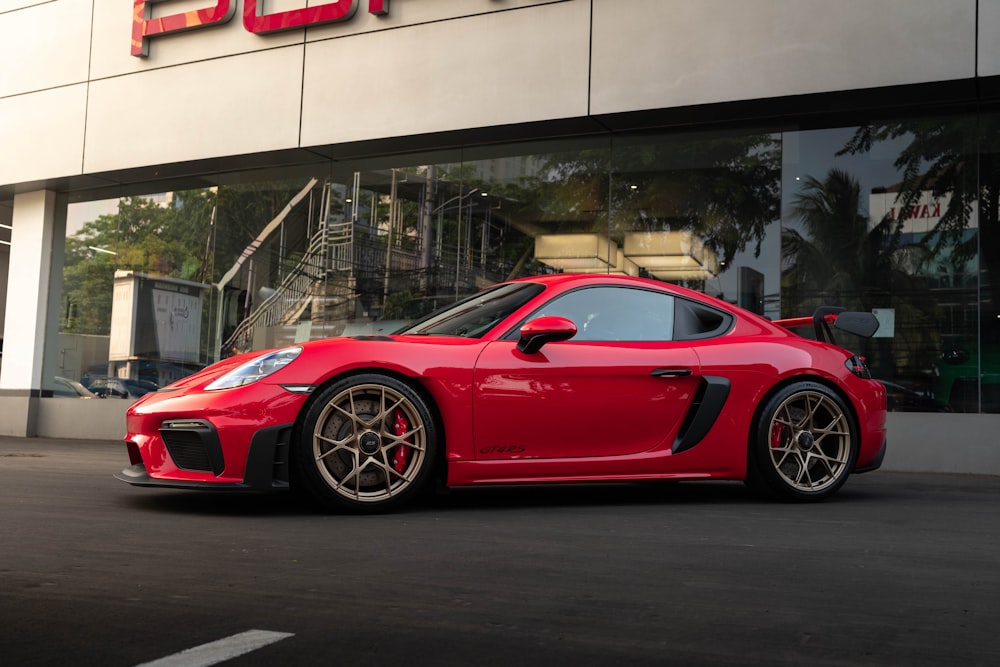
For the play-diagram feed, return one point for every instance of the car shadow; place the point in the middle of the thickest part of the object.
(584, 495)
(286, 503)
(226, 503)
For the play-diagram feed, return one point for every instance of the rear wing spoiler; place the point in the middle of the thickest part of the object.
(857, 323)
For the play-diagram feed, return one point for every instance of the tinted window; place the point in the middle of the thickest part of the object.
(615, 313)
(475, 316)
(694, 321)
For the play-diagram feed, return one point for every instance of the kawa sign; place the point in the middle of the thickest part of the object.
(145, 27)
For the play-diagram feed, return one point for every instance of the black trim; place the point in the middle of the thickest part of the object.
(820, 326)
(877, 463)
(690, 320)
(136, 475)
(22, 393)
(671, 372)
(193, 444)
(704, 411)
(267, 460)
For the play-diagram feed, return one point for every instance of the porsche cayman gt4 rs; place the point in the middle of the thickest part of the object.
(551, 379)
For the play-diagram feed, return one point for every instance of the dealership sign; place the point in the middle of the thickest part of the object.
(144, 26)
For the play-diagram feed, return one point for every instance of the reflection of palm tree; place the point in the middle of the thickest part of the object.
(837, 257)
(833, 247)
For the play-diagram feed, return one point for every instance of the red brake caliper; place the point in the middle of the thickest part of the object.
(401, 455)
(777, 436)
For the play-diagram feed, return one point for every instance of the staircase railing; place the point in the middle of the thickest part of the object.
(330, 249)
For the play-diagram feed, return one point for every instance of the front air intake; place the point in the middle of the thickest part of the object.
(193, 445)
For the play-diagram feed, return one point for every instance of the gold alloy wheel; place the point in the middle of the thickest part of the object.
(369, 443)
(809, 441)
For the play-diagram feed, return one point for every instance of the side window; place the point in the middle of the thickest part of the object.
(615, 313)
(695, 321)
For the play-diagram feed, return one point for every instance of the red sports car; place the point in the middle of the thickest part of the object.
(559, 378)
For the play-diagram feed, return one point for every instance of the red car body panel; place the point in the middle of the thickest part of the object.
(573, 411)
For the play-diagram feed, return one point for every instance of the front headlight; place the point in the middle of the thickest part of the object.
(256, 369)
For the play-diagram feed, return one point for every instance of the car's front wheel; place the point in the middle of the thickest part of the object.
(805, 444)
(367, 444)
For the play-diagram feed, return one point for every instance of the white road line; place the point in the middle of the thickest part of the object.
(219, 651)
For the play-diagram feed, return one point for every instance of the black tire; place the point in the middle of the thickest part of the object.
(804, 445)
(367, 444)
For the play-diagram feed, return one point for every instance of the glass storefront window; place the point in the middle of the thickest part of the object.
(878, 218)
(701, 210)
(896, 218)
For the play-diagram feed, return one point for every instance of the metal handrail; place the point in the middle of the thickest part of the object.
(330, 249)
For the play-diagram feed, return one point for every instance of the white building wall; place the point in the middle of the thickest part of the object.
(73, 100)
(235, 105)
(43, 45)
(494, 69)
(989, 47)
(650, 54)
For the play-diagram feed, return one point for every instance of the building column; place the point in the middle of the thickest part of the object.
(37, 238)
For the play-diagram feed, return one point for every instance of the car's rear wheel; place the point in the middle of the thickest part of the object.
(805, 444)
(367, 444)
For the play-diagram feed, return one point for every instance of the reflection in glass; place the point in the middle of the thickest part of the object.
(873, 222)
(898, 217)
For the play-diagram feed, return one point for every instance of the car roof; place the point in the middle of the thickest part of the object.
(569, 280)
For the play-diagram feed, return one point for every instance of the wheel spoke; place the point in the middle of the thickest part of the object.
(335, 445)
(404, 439)
(804, 472)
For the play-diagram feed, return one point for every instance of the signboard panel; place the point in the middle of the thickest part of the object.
(156, 318)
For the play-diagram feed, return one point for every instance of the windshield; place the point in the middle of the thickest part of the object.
(476, 315)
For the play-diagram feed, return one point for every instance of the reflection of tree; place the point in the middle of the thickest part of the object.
(835, 259)
(144, 237)
(726, 188)
(838, 258)
(956, 157)
(179, 239)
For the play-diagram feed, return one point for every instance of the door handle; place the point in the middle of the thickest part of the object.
(671, 372)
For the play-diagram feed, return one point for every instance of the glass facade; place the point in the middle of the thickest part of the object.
(897, 217)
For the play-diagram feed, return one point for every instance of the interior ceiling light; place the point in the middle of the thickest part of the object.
(679, 254)
(576, 252)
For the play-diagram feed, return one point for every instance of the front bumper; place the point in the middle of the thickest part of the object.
(190, 438)
(194, 447)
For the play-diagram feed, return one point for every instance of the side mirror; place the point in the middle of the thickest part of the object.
(544, 330)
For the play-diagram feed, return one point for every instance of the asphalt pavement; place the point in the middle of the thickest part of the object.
(897, 569)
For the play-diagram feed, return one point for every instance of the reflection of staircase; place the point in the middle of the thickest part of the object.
(330, 252)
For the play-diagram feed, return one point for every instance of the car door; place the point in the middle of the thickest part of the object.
(620, 386)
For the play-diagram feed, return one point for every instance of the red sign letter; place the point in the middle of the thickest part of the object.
(328, 12)
(144, 27)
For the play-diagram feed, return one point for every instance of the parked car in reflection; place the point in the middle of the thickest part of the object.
(904, 399)
(112, 387)
(968, 379)
(66, 388)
